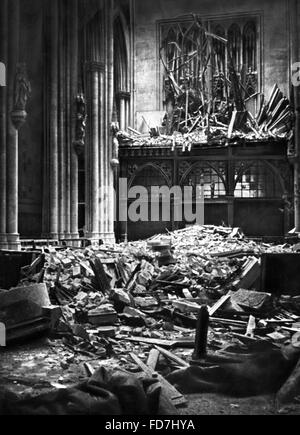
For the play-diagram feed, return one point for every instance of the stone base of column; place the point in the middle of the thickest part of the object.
(3, 241)
(108, 238)
(74, 243)
(94, 238)
(65, 236)
(52, 236)
(13, 242)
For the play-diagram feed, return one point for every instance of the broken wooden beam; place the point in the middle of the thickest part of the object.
(153, 358)
(171, 356)
(219, 304)
(167, 390)
(169, 344)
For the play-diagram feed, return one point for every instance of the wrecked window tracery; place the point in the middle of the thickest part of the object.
(256, 180)
(199, 58)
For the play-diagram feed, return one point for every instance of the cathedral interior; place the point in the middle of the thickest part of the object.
(103, 103)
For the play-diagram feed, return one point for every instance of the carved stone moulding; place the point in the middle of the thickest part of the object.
(114, 163)
(18, 118)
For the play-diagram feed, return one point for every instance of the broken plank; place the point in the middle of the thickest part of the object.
(296, 330)
(153, 341)
(171, 356)
(189, 342)
(153, 359)
(219, 304)
(168, 390)
(229, 322)
(89, 369)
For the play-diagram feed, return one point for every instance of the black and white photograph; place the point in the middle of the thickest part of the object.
(150, 210)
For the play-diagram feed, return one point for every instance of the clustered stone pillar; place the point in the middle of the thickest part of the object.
(13, 99)
(108, 234)
(95, 74)
(53, 122)
(124, 103)
(73, 94)
(3, 120)
(100, 204)
(61, 161)
(12, 178)
(295, 41)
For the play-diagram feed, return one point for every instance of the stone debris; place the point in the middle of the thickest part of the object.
(117, 301)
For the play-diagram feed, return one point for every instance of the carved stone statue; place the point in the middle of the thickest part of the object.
(81, 118)
(115, 151)
(22, 88)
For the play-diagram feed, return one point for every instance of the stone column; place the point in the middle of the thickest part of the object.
(53, 121)
(109, 235)
(73, 93)
(122, 113)
(295, 36)
(100, 79)
(62, 125)
(3, 120)
(94, 73)
(13, 238)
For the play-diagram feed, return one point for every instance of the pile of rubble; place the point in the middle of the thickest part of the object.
(137, 305)
(274, 120)
(133, 288)
(196, 260)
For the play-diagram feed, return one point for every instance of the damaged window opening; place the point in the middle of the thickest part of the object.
(202, 60)
(257, 180)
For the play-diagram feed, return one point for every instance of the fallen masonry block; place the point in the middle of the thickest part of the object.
(26, 311)
(250, 275)
(120, 296)
(102, 316)
(252, 300)
(103, 331)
